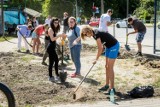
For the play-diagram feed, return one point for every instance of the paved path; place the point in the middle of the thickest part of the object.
(148, 102)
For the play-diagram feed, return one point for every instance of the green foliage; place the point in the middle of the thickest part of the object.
(141, 8)
(119, 9)
(146, 9)
(56, 8)
(20, 4)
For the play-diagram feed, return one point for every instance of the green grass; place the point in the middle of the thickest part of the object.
(157, 83)
(27, 58)
(148, 76)
(137, 85)
(136, 73)
(7, 37)
(60, 98)
(28, 105)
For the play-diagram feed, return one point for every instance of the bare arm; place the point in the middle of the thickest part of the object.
(50, 33)
(100, 48)
(78, 39)
(108, 23)
(135, 31)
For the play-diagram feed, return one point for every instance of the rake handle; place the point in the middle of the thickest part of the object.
(83, 78)
(126, 40)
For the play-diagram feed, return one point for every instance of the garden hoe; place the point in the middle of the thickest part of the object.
(74, 93)
(62, 74)
(126, 45)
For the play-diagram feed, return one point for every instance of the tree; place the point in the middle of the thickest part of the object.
(119, 7)
(56, 8)
(146, 10)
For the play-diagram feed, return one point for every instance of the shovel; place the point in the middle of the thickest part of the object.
(126, 45)
(74, 93)
(62, 74)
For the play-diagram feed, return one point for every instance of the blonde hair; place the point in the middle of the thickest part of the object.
(65, 13)
(72, 18)
(86, 29)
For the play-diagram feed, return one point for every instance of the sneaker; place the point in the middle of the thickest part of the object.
(104, 88)
(139, 54)
(18, 50)
(74, 75)
(27, 51)
(51, 79)
(44, 63)
(57, 78)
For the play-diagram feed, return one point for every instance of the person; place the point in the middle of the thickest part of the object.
(78, 20)
(48, 20)
(28, 21)
(140, 29)
(111, 52)
(65, 22)
(46, 41)
(34, 22)
(51, 49)
(23, 30)
(105, 21)
(35, 36)
(74, 40)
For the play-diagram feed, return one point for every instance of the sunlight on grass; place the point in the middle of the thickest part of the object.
(60, 98)
(28, 58)
(157, 83)
(28, 106)
(136, 73)
(8, 38)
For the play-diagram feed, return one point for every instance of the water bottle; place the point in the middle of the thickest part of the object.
(112, 96)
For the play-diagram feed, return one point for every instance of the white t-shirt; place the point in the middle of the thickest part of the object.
(103, 22)
(47, 21)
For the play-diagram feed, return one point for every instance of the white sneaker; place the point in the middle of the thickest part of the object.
(51, 79)
(57, 78)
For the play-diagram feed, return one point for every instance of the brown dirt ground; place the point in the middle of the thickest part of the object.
(28, 79)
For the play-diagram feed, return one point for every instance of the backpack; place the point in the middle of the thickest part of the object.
(141, 92)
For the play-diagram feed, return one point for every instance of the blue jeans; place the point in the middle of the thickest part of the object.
(75, 55)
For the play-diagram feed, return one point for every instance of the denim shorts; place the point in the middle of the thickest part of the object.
(34, 35)
(140, 36)
(112, 52)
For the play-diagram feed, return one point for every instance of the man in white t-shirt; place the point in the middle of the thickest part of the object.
(105, 21)
(48, 20)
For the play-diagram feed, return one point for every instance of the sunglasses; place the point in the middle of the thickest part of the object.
(56, 23)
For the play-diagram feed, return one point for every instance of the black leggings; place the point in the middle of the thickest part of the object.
(53, 59)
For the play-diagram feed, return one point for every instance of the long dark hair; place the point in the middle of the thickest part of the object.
(55, 29)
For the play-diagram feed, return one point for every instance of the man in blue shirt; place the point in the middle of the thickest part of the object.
(24, 30)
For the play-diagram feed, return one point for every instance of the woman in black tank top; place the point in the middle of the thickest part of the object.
(53, 58)
(111, 45)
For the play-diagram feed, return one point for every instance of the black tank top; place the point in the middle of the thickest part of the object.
(53, 43)
(47, 37)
